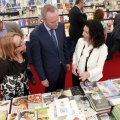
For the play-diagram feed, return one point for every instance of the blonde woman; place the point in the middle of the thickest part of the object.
(13, 66)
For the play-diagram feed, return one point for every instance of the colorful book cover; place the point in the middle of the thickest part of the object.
(42, 113)
(92, 87)
(27, 114)
(5, 106)
(34, 100)
(26, 22)
(107, 88)
(21, 22)
(19, 103)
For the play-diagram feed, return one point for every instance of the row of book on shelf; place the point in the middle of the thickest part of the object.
(85, 102)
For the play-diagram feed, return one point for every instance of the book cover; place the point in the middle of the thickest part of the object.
(28, 114)
(116, 83)
(76, 90)
(63, 107)
(26, 22)
(34, 100)
(98, 101)
(3, 115)
(19, 103)
(42, 113)
(13, 116)
(21, 22)
(82, 101)
(92, 87)
(74, 107)
(47, 99)
(107, 88)
(5, 106)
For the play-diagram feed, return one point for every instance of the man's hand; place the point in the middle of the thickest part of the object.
(68, 66)
(74, 69)
(84, 76)
(45, 83)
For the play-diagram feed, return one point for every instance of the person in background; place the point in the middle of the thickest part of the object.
(49, 50)
(9, 26)
(115, 36)
(99, 15)
(13, 65)
(77, 18)
(90, 53)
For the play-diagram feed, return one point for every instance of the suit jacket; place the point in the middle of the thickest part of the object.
(12, 27)
(95, 62)
(47, 58)
(77, 22)
(116, 31)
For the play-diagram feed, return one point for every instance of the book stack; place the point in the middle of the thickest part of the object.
(96, 98)
(99, 102)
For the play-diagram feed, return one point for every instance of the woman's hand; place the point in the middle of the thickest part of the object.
(84, 76)
(74, 69)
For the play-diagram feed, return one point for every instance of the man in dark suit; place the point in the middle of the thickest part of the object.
(77, 18)
(49, 50)
(9, 26)
(116, 37)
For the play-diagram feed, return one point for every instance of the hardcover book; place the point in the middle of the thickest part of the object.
(98, 101)
(107, 88)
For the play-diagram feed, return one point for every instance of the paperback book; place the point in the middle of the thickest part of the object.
(42, 113)
(34, 100)
(91, 88)
(63, 107)
(19, 103)
(107, 88)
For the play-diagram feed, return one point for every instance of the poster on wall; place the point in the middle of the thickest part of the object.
(10, 3)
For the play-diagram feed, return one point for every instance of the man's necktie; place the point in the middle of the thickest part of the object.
(53, 37)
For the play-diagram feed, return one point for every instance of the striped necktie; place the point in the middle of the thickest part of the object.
(53, 37)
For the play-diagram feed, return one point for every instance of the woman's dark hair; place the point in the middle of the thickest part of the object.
(96, 32)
